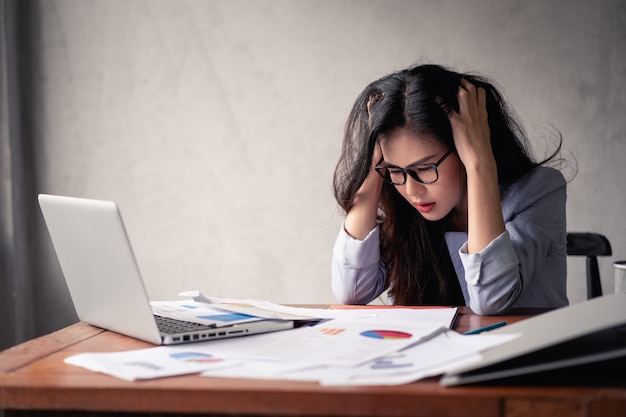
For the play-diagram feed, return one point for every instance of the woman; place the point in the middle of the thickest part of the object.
(444, 203)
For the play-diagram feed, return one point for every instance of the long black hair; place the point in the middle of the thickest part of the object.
(420, 99)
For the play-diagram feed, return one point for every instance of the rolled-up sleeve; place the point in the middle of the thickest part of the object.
(358, 276)
(492, 276)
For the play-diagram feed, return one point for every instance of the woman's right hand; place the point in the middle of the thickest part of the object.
(362, 216)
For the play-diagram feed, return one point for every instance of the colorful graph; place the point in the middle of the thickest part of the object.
(386, 334)
(226, 317)
(332, 332)
(195, 357)
(389, 364)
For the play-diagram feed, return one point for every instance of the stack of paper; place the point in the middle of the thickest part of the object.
(380, 346)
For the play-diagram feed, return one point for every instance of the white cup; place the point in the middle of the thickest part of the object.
(620, 276)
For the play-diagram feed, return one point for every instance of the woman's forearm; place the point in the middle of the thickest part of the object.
(361, 217)
(484, 210)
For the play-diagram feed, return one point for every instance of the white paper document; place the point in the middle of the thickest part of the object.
(342, 342)
(417, 362)
(430, 358)
(443, 316)
(150, 363)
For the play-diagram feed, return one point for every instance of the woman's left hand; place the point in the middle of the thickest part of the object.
(472, 138)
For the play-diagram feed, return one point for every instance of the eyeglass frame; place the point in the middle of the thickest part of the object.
(410, 170)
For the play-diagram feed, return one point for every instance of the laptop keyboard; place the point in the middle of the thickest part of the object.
(172, 326)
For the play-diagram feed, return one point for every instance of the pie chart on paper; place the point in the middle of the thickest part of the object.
(386, 334)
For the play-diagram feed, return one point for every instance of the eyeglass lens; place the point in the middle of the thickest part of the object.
(424, 174)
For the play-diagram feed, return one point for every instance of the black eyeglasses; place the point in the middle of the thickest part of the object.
(422, 173)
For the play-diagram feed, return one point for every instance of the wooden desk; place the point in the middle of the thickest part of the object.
(34, 381)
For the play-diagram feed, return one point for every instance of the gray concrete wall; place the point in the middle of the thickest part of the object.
(216, 125)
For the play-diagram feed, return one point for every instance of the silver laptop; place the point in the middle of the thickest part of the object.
(579, 343)
(103, 277)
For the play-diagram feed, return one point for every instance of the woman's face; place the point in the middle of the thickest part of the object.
(402, 149)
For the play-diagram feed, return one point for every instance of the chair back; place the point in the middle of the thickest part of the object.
(591, 245)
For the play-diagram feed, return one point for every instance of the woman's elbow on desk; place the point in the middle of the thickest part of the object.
(347, 294)
(491, 306)
(483, 310)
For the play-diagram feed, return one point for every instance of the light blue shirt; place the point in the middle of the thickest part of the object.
(526, 266)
